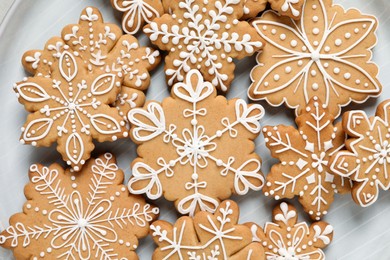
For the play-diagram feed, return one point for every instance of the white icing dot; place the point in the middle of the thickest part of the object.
(327, 49)
(288, 69)
(315, 86)
(276, 77)
(347, 35)
(315, 18)
(283, 36)
(273, 31)
(347, 75)
(336, 70)
(313, 73)
(316, 31)
(293, 43)
(338, 42)
(356, 30)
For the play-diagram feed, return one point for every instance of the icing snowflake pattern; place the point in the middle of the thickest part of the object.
(199, 147)
(326, 53)
(70, 107)
(137, 13)
(206, 236)
(289, 240)
(367, 159)
(304, 170)
(204, 35)
(79, 216)
(103, 47)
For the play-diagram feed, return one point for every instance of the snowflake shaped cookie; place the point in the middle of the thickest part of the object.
(196, 148)
(367, 158)
(326, 53)
(90, 215)
(102, 46)
(204, 35)
(291, 8)
(206, 236)
(304, 154)
(284, 238)
(137, 13)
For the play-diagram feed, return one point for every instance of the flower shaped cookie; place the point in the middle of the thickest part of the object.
(204, 35)
(102, 46)
(367, 158)
(196, 148)
(89, 215)
(206, 236)
(137, 13)
(326, 53)
(304, 154)
(284, 238)
(76, 79)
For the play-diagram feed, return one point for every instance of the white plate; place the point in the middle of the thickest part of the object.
(360, 233)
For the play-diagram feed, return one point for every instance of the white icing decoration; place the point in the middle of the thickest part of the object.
(138, 11)
(81, 225)
(193, 146)
(203, 40)
(315, 53)
(288, 5)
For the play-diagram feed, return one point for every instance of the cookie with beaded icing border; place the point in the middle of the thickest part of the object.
(137, 13)
(205, 35)
(304, 154)
(206, 236)
(367, 155)
(195, 148)
(286, 238)
(78, 216)
(326, 53)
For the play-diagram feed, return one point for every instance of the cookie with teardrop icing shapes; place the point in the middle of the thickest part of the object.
(285, 238)
(291, 8)
(196, 148)
(325, 53)
(86, 215)
(76, 80)
(137, 13)
(206, 236)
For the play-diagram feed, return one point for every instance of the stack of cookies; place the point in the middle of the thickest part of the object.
(196, 148)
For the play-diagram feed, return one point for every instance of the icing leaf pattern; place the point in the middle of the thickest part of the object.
(284, 238)
(326, 53)
(304, 154)
(78, 216)
(198, 141)
(203, 35)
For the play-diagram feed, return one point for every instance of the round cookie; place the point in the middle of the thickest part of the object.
(195, 148)
(206, 236)
(326, 53)
(205, 35)
(89, 215)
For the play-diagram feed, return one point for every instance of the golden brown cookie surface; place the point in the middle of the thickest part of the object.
(304, 154)
(205, 35)
(206, 236)
(326, 53)
(195, 148)
(285, 238)
(367, 155)
(87, 215)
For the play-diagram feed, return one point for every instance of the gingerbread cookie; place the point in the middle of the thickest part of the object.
(304, 160)
(291, 8)
(90, 215)
(76, 79)
(204, 35)
(137, 13)
(206, 236)
(284, 238)
(195, 148)
(326, 53)
(367, 155)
